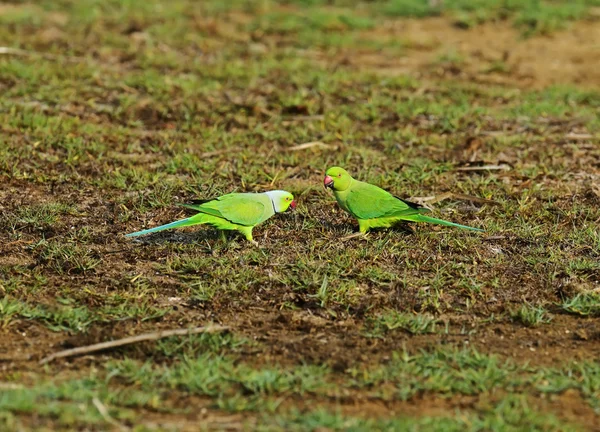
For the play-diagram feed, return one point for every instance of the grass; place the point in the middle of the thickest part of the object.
(119, 111)
(67, 258)
(531, 316)
(531, 16)
(236, 386)
(585, 304)
(445, 372)
(510, 413)
(413, 324)
(65, 317)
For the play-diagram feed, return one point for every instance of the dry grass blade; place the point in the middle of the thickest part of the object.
(106, 416)
(10, 386)
(579, 137)
(500, 167)
(131, 340)
(219, 152)
(15, 51)
(355, 235)
(473, 199)
(431, 199)
(307, 117)
(437, 198)
(312, 144)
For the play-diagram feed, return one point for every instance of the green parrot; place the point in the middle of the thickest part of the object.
(234, 211)
(374, 207)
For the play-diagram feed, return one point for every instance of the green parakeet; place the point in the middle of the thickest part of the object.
(374, 207)
(234, 211)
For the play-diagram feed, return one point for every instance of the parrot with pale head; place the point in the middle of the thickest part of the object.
(235, 211)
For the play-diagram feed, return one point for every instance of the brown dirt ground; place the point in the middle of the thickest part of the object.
(292, 337)
(565, 57)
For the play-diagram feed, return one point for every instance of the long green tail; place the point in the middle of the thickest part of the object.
(176, 224)
(423, 218)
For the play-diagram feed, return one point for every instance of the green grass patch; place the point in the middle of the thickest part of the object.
(66, 317)
(510, 413)
(584, 304)
(234, 387)
(393, 320)
(441, 371)
(531, 316)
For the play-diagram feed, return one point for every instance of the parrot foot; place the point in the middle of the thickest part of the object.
(255, 243)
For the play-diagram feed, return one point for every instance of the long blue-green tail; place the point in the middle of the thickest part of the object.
(423, 218)
(176, 224)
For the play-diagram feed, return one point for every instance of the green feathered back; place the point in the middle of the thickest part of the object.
(374, 207)
(247, 209)
(367, 201)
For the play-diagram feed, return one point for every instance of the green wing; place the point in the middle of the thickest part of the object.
(238, 208)
(366, 201)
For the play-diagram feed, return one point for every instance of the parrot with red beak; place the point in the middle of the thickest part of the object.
(374, 207)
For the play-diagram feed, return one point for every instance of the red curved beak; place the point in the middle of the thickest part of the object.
(293, 205)
(328, 182)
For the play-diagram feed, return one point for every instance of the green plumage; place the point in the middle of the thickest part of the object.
(246, 209)
(374, 207)
(236, 211)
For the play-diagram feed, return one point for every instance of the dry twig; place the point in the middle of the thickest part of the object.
(494, 238)
(131, 340)
(308, 145)
(500, 167)
(355, 235)
(14, 51)
(579, 136)
(473, 199)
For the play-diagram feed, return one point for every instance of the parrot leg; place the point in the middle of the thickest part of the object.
(363, 226)
(247, 231)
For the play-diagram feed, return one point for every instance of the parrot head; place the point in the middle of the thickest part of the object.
(337, 178)
(281, 200)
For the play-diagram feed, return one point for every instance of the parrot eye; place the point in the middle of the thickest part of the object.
(339, 175)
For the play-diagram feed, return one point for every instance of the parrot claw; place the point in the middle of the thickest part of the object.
(255, 243)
